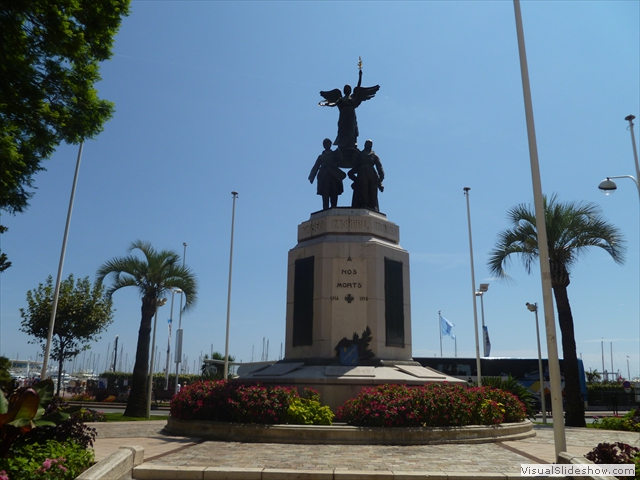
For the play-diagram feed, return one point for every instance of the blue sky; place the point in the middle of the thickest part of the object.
(219, 96)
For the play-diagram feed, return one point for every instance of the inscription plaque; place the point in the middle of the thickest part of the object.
(394, 303)
(349, 371)
(279, 369)
(303, 302)
(420, 372)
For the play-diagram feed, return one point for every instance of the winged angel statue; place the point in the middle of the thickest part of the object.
(347, 104)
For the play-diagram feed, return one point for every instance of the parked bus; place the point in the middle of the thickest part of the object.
(525, 370)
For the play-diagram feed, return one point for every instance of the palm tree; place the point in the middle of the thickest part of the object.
(154, 276)
(571, 228)
(593, 376)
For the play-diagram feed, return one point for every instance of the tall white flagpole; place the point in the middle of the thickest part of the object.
(473, 290)
(440, 330)
(56, 293)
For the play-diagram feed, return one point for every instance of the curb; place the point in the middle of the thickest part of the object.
(347, 435)
(160, 472)
(117, 466)
(565, 458)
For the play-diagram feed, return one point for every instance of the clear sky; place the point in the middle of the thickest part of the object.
(216, 96)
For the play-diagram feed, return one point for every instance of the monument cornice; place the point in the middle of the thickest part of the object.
(349, 221)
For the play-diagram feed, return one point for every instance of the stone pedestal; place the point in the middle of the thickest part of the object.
(346, 273)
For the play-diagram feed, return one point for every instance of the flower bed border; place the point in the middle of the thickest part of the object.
(347, 435)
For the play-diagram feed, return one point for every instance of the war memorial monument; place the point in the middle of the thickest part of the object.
(348, 317)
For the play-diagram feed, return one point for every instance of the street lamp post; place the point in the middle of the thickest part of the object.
(608, 186)
(473, 289)
(166, 376)
(534, 308)
(480, 293)
(226, 343)
(159, 303)
(559, 435)
(179, 332)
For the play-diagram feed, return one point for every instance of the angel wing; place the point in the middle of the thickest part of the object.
(330, 97)
(365, 93)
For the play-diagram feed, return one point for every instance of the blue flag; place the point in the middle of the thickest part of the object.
(487, 342)
(446, 327)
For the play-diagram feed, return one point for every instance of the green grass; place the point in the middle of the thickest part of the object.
(117, 417)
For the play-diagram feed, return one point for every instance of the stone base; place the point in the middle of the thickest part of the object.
(347, 435)
(337, 383)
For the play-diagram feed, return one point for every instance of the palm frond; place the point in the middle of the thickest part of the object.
(571, 227)
(154, 275)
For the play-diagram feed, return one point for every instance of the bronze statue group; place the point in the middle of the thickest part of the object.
(365, 169)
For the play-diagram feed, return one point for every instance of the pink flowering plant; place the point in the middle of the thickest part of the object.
(224, 401)
(51, 460)
(52, 468)
(431, 405)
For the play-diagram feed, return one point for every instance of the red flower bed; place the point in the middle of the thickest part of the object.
(225, 401)
(431, 405)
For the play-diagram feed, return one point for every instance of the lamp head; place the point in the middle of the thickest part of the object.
(161, 302)
(532, 308)
(483, 287)
(607, 186)
(177, 290)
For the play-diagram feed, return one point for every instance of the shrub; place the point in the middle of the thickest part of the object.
(514, 409)
(430, 405)
(82, 397)
(122, 398)
(612, 453)
(71, 429)
(26, 409)
(630, 422)
(110, 399)
(50, 460)
(90, 415)
(225, 401)
(514, 387)
(304, 411)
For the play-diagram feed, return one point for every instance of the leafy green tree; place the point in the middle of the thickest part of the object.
(572, 227)
(83, 313)
(6, 381)
(49, 56)
(154, 276)
(4, 263)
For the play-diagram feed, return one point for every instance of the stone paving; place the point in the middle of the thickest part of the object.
(501, 457)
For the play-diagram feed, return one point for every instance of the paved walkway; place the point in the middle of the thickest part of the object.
(501, 457)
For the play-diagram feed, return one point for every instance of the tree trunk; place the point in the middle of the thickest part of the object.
(574, 408)
(137, 403)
